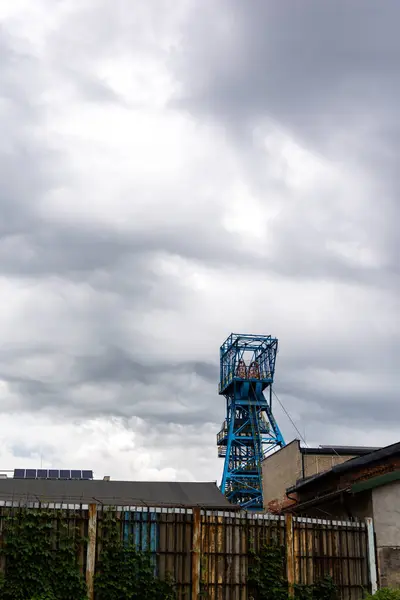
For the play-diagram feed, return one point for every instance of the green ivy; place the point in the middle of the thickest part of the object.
(268, 582)
(41, 558)
(325, 589)
(266, 576)
(124, 573)
(385, 594)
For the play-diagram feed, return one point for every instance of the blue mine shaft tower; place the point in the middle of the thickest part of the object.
(247, 366)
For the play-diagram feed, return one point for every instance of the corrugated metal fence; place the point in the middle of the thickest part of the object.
(208, 552)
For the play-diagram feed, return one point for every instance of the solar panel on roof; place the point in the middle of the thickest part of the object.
(52, 474)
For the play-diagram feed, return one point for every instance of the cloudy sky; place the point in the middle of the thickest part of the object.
(172, 171)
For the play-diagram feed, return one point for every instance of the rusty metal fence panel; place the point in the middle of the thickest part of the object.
(334, 548)
(166, 534)
(227, 540)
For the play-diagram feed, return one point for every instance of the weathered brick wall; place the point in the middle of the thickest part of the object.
(380, 468)
(341, 482)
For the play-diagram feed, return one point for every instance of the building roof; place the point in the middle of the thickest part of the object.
(350, 465)
(338, 450)
(115, 493)
(326, 450)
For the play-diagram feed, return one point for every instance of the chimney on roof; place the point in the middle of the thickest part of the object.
(106, 478)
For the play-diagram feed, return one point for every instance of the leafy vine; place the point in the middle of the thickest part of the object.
(268, 582)
(267, 574)
(385, 594)
(41, 558)
(124, 572)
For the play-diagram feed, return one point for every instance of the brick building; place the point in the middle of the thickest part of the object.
(292, 463)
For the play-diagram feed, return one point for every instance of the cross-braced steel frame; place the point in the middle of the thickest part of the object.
(250, 431)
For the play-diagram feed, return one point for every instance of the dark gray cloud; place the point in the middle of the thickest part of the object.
(111, 382)
(314, 68)
(26, 165)
(116, 364)
(327, 74)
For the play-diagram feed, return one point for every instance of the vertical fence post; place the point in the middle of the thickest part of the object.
(91, 550)
(371, 555)
(289, 554)
(196, 558)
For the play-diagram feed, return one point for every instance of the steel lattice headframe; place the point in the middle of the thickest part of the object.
(249, 432)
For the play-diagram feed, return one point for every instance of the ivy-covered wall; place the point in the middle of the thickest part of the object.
(42, 560)
(40, 555)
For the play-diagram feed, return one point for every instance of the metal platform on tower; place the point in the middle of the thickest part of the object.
(249, 432)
